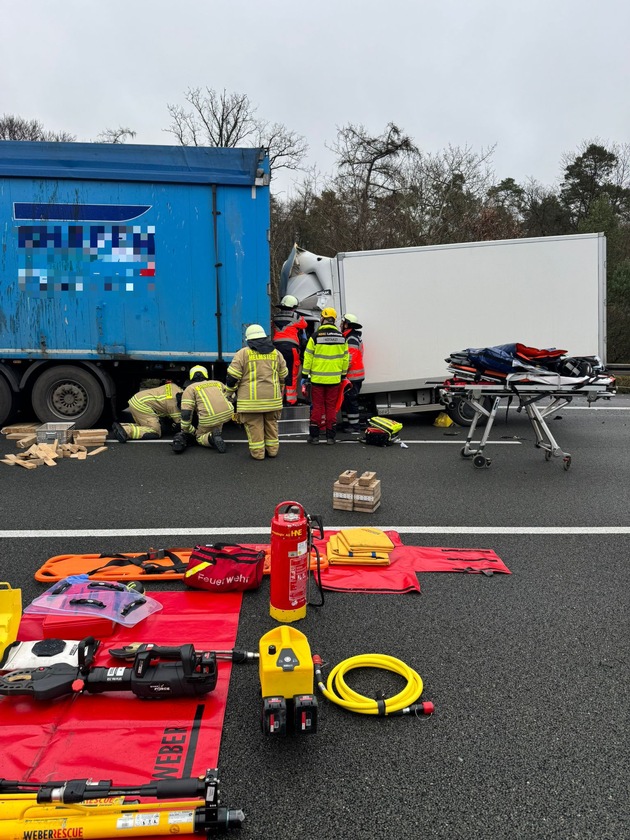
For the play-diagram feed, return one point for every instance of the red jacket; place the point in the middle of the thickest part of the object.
(355, 347)
(287, 326)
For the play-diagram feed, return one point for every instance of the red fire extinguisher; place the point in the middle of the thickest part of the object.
(290, 559)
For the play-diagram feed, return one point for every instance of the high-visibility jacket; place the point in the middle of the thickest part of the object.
(326, 358)
(257, 377)
(355, 348)
(287, 326)
(160, 401)
(208, 399)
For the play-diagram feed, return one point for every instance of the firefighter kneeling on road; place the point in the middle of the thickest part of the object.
(147, 407)
(206, 397)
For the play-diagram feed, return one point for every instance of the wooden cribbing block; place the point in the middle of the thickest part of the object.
(347, 477)
(367, 478)
(367, 498)
(20, 428)
(343, 494)
(23, 442)
(96, 451)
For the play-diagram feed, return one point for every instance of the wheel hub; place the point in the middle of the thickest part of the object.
(69, 399)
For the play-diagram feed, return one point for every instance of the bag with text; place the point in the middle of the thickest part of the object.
(224, 567)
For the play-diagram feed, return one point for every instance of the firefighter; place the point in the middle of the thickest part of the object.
(289, 338)
(326, 362)
(207, 398)
(351, 330)
(147, 407)
(256, 374)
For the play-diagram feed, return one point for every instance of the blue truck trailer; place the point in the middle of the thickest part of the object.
(121, 263)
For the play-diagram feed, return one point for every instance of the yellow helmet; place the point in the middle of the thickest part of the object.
(198, 369)
(329, 312)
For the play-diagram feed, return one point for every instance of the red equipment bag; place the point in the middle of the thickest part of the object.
(224, 567)
(376, 437)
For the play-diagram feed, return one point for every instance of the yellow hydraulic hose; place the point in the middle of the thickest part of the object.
(338, 691)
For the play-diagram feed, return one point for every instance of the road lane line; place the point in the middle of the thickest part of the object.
(508, 530)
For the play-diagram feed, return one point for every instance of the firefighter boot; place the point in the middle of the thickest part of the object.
(119, 433)
(180, 442)
(217, 441)
(313, 434)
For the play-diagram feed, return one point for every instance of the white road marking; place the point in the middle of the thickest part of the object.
(508, 530)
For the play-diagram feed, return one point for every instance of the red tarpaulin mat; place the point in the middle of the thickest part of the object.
(116, 735)
(405, 562)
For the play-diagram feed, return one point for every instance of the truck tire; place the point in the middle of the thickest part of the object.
(68, 393)
(7, 401)
(461, 413)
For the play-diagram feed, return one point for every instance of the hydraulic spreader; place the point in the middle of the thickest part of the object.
(193, 674)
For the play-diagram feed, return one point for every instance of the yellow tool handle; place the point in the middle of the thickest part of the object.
(22, 818)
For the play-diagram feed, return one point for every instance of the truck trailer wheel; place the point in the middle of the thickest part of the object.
(461, 412)
(68, 393)
(7, 401)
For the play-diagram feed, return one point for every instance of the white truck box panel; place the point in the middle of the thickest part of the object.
(418, 305)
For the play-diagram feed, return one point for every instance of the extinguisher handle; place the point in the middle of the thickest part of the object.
(289, 504)
(319, 522)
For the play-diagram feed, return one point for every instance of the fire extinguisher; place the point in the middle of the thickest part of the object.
(291, 543)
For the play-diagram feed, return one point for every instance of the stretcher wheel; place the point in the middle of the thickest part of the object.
(566, 462)
(547, 455)
(465, 454)
(481, 461)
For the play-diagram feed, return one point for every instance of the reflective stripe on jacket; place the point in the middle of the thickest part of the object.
(209, 401)
(259, 377)
(355, 348)
(161, 401)
(326, 358)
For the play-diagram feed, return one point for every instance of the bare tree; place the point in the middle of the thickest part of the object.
(18, 128)
(115, 135)
(229, 120)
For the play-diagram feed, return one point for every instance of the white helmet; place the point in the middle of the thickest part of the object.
(352, 319)
(289, 301)
(254, 331)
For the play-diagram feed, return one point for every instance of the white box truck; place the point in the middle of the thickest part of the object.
(418, 305)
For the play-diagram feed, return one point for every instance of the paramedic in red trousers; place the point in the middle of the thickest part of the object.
(206, 398)
(288, 332)
(326, 362)
(256, 374)
(351, 330)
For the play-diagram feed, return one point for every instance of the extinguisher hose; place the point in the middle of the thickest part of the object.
(318, 576)
(338, 691)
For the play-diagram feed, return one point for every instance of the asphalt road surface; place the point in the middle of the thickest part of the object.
(528, 672)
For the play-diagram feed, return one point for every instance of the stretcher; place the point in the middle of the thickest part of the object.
(539, 394)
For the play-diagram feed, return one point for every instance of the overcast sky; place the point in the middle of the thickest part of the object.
(534, 77)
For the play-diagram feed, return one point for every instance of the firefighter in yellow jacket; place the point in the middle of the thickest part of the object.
(257, 375)
(147, 407)
(205, 397)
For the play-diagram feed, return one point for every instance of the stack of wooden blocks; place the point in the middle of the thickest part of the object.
(36, 453)
(357, 492)
(90, 437)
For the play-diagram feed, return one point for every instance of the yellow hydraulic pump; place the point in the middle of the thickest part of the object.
(286, 681)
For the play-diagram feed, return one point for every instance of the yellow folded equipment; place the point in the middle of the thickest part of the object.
(359, 547)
